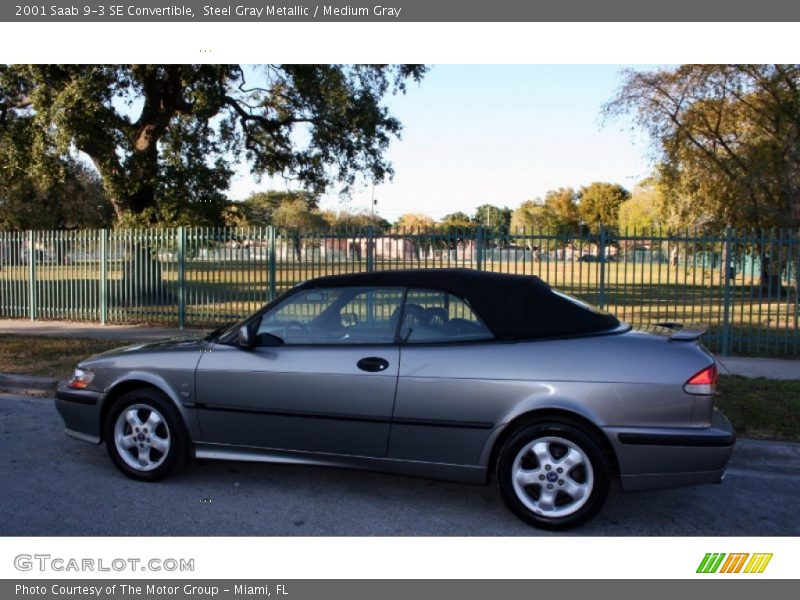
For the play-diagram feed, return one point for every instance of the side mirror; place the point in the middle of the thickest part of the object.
(244, 339)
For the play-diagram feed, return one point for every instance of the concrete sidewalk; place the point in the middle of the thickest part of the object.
(771, 368)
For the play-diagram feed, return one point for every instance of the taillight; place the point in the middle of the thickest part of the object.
(703, 383)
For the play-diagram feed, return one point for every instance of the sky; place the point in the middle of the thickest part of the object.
(495, 134)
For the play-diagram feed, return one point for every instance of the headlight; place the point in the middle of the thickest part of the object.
(80, 379)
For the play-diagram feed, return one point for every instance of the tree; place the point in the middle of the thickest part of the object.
(415, 221)
(357, 221)
(531, 215)
(163, 137)
(643, 211)
(562, 210)
(729, 140)
(57, 192)
(259, 208)
(728, 137)
(493, 218)
(599, 204)
(76, 202)
(458, 220)
(296, 215)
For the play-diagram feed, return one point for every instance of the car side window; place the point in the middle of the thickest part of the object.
(334, 316)
(433, 316)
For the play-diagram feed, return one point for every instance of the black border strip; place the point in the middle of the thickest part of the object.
(339, 417)
(76, 397)
(711, 440)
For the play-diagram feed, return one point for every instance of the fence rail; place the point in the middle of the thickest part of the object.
(742, 284)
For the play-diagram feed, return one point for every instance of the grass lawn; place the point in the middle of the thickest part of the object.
(48, 356)
(758, 408)
(762, 409)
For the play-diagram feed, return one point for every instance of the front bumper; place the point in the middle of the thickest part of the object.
(80, 410)
(654, 457)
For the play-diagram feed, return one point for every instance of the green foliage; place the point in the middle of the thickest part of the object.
(458, 220)
(42, 190)
(643, 211)
(297, 215)
(163, 137)
(297, 210)
(599, 204)
(415, 222)
(531, 215)
(557, 213)
(259, 208)
(728, 137)
(493, 218)
(76, 202)
(358, 221)
(562, 210)
(289, 209)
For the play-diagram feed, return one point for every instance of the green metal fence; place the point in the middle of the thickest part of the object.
(742, 284)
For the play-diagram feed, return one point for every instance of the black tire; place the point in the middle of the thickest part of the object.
(595, 478)
(170, 428)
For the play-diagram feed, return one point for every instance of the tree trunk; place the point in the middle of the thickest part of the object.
(773, 263)
(142, 283)
(132, 183)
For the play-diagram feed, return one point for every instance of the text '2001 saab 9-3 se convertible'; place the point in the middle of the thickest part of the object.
(450, 374)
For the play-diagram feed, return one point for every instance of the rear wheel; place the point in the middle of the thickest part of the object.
(145, 436)
(553, 475)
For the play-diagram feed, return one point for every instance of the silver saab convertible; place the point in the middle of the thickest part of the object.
(450, 374)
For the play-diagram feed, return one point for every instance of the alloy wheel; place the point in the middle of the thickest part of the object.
(552, 476)
(142, 437)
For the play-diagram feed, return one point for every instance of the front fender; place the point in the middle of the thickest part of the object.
(178, 387)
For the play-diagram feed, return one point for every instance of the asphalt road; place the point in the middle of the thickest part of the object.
(54, 485)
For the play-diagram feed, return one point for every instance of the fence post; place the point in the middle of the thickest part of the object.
(601, 251)
(726, 294)
(103, 277)
(181, 277)
(271, 284)
(31, 276)
(479, 248)
(370, 249)
(796, 286)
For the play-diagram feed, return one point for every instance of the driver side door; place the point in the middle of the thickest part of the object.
(329, 387)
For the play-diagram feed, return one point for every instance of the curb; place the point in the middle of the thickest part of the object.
(762, 455)
(27, 385)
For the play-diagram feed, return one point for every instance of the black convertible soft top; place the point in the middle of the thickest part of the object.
(511, 306)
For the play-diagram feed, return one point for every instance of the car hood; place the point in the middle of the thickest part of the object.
(187, 343)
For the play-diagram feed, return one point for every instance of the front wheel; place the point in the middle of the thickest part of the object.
(145, 437)
(553, 475)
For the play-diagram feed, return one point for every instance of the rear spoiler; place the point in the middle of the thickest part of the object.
(683, 334)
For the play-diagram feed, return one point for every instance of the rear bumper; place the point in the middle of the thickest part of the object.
(652, 457)
(80, 411)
